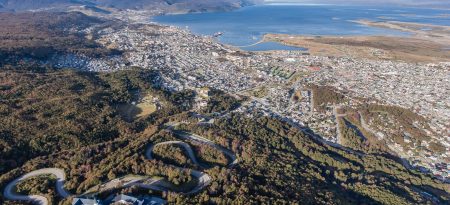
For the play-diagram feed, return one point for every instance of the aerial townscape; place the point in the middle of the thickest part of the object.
(109, 102)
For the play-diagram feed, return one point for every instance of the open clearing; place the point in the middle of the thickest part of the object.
(143, 108)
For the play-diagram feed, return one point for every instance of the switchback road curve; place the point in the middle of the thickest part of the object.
(203, 178)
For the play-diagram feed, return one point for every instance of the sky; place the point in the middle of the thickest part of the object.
(398, 2)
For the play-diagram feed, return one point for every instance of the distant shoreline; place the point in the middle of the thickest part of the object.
(417, 45)
(430, 45)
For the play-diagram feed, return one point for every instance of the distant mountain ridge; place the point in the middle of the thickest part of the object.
(184, 5)
(410, 3)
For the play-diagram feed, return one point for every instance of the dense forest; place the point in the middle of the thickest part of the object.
(39, 35)
(68, 119)
(325, 96)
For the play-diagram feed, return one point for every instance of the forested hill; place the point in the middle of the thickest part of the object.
(71, 120)
(183, 5)
(88, 125)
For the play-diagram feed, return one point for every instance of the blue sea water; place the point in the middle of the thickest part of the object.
(247, 25)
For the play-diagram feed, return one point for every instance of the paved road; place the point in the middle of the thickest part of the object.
(367, 127)
(159, 184)
(141, 181)
(338, 128)
(10, 194)
(203, 179)
(201, 140)
(187, 147)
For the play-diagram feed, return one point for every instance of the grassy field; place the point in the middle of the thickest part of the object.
(143, 108)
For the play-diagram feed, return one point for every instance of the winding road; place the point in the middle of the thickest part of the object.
(10, 194)
(367, 127)
(201, 140)
(186, 146)
(203, 179)
(140, 181)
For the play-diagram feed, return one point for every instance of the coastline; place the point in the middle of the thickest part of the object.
(421, 42)
(283, 87)
(438, 33)
(424, 45)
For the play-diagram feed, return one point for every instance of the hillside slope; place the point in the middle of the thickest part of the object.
(72, 120)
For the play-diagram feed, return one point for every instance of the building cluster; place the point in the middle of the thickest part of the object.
(121, 199)
(187, 61)
(423, 88)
